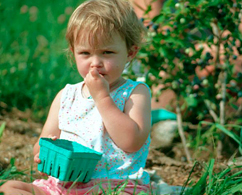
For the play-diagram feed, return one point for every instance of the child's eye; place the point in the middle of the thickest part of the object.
(108, 52)
(84, 53)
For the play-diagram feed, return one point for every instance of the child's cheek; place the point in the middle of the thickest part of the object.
(82, 72)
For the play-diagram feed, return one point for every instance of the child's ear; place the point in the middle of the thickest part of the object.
(71, 49)
(132, 52)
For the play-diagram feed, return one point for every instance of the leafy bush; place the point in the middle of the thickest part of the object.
(192, 49)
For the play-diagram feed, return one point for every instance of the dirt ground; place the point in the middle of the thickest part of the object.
(21, 133)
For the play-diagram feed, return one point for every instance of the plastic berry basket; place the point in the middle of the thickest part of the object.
(67, 160)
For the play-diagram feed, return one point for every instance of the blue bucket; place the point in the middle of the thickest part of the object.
(161, 115)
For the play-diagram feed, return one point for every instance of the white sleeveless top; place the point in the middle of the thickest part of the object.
(80, 121)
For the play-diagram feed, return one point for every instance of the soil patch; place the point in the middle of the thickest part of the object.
(21, 133)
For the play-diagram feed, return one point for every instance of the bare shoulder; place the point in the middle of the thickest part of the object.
(139, 101)
(138, 108)
(140, 91)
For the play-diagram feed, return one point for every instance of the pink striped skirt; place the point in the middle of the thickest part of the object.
(52, 187)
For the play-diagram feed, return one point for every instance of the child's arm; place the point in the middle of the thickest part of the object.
(50, 128)
(129, 129)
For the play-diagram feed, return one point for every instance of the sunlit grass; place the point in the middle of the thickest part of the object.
(227, 180)
(10, 172)
(2, 127)
(33, 63)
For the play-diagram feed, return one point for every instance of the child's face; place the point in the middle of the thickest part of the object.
(109, 59)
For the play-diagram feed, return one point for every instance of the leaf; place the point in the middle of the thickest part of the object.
(10, 171)
(223, 173)
(2, 129)
(158, 19)
(157, 39)
(234, 106)
(234, 126)
(199, 2)
(162, 51)
(229, 133)
(142, 193)
(236, 174)
(236, 188)
(148, 9)
(103, 191)
(191, 101)
(199, 187)
(240, 135)
(122, 187)
(183, 106)
(214, 2)
(240, 147)
(210, 183)
(189, 177)
(175, 40)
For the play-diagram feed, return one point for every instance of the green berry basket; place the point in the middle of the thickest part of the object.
(67, 160)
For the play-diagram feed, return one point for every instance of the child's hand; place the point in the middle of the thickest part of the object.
(37, 159)
(98, 86)
(53, 137)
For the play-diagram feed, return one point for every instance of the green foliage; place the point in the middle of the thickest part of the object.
(2, 127)
(119, 189)
(208, 133)
(10, 173)
(213, 183)
(191, 49)
(33, 63)
(183, 41)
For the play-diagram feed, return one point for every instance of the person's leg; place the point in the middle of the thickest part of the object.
(20, 188)
(140, 6)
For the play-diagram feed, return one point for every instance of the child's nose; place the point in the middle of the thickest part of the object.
(96, 62)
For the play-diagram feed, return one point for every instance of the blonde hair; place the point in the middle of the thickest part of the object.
(95, 21)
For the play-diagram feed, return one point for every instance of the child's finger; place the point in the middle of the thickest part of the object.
(53, 137)
(42, 174)
(37, 159)
(95, 73)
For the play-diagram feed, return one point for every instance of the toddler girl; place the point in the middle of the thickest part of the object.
(105, 112)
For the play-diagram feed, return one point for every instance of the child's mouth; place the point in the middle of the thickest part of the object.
(102, 74)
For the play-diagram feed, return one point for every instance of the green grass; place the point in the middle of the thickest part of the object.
(226, 181)
(2, 127)
(33, 63)
(10, 172)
